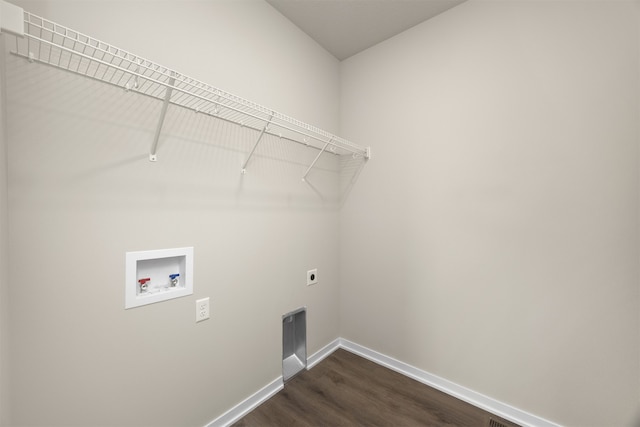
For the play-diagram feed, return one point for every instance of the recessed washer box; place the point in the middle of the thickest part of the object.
(158, 275)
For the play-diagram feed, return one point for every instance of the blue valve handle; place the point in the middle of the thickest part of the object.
(173, 276)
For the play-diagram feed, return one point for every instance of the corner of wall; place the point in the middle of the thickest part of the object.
(4, 304)
(637, 10)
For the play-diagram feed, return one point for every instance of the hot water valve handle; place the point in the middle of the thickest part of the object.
(143, 284)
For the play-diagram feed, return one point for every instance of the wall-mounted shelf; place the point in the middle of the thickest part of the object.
(49, 43)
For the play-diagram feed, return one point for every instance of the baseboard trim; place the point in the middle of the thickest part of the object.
(321, 354)
(474, 398)
(266, 392)
(248, 405)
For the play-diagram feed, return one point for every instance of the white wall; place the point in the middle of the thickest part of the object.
(82, 193)
(4, 278)
(493, 238)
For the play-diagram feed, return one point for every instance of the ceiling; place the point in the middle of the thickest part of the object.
(346, 27)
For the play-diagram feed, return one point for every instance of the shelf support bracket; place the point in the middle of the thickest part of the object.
(264, 129)
(163, 113)
(304, 177)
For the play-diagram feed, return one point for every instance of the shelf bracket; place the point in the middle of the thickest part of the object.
(163, 113)
(264, 129)
(304, 177)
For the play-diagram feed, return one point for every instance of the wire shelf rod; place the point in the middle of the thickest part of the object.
(264, 129)
(163, 113)
(304, 177)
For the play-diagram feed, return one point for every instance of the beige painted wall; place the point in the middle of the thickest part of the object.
(4, 278)
(82, 193)
(493, 238)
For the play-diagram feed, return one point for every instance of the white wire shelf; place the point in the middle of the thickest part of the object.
(52, 44)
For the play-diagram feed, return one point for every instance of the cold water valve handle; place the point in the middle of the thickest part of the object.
(143, 284)
(174, 279)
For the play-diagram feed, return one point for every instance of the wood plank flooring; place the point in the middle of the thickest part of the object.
(347, 390)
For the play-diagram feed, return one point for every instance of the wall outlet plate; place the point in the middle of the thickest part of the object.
(202, 309)
(312, 277)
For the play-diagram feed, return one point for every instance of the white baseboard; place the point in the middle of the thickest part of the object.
(321, 354)
(478, 400)
(252, 402)
(248, 405)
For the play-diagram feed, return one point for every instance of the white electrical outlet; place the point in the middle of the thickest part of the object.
(312, 277)
(202, 309)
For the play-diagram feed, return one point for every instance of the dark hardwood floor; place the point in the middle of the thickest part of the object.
(347, 390)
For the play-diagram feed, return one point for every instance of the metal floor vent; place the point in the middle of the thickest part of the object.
(294, 343)
(496, 423)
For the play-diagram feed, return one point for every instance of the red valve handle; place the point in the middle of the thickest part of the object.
(143, 281)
